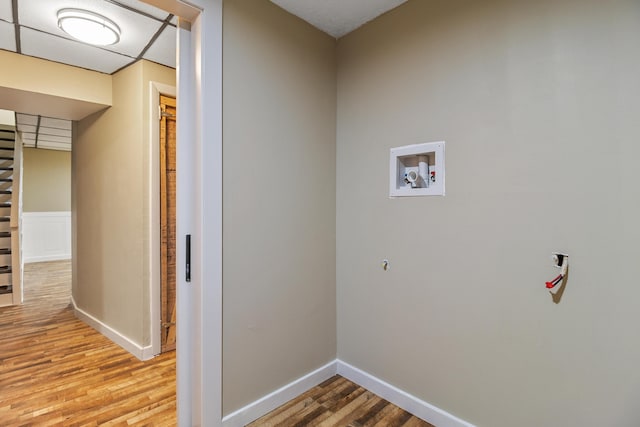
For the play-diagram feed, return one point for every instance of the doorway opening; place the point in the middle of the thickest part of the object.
(168, 222)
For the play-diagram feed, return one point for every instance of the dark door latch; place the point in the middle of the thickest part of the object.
(187, 270)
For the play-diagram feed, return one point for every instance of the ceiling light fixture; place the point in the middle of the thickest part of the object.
(88, 27)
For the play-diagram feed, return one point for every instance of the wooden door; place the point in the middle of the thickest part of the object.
(168, 221)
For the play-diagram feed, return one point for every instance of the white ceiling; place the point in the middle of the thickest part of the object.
(44, 132)
(338, 17)
(30, 27)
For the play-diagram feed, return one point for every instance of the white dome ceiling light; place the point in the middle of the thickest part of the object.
(88, 27)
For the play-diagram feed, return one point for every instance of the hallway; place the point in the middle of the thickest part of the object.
(57, 371)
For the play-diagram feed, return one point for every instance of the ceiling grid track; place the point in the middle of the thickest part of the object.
(164, 25)
(44, 132)
(16, 24)
(32, 28)
(148, 33)
(38, 129)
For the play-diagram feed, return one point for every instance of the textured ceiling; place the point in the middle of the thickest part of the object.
(338, 17)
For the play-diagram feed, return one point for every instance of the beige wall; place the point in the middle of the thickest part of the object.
(110, 205)
(46, 184)
(538, 104)
(37, 86)
(279, 200)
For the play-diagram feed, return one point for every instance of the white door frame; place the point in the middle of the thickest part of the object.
(155, 277)
(199, 210)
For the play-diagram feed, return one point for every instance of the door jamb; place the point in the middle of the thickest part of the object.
(155, 90)
(199, 209)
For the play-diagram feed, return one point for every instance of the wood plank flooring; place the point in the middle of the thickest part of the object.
(57, 371)
(339, 402)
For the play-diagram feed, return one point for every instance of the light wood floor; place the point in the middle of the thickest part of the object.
(57, 371)
(339, 402)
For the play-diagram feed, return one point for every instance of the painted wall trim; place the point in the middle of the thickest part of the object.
(199, 213)
(404, 400)
(142, 353)
(199, 81)
(46, 236)
(268, 403)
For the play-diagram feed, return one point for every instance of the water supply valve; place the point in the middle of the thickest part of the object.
(560, 261)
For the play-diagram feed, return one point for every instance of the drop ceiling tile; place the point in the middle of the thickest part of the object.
(47, 122)
(6, 10)
(27, 136)
(44, 130)
(43, 142)
(163, 51)
(7, 36)
(28, 140)
(57, 139)
(52, 145)
(66, 148)
(55, 132)
(41, 45)
(136, 29)
(26, 119)
(147, 8)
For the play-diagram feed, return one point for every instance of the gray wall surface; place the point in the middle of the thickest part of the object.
(278, 200)
(538, 105)
(46, 181)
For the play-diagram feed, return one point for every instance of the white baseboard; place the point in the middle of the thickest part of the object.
(409, 403)
(142, 353)
(148, 353)
(32, 259)
(268, 403)
(404, 400)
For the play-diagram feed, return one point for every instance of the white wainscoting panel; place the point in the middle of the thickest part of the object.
(46, 236)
